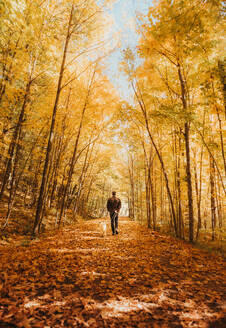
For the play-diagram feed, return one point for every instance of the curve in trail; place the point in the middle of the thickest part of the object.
(78, 278)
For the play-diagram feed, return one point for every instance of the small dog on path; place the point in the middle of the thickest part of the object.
(103, 226)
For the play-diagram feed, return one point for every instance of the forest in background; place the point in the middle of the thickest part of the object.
(67, 138)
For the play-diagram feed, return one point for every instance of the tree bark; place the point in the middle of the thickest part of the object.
(144, 111)
(189, 183)
(73, 159)
(188, 158)
(49, 146)
(15, 140)
(212, 197)
(221, 67)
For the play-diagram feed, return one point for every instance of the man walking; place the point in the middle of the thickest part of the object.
(113, 207)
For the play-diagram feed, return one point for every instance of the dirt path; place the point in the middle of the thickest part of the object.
(77, 278)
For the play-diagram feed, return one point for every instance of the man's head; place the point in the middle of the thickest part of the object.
(113, 193)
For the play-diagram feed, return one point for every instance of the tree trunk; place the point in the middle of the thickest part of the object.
(73, 159)
(198, 187)
(80, 183)
(15, 140)
(221, 138)
(15, 181)
(219, 203)
(180, 214)
(132, 200)
(189, 183)
(49, 146)
(147, 185)
(153, 199)
(144, 112)
(221, 67)
(212, 197)
(188, 159)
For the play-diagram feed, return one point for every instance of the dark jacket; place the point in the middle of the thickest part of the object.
(113, 204)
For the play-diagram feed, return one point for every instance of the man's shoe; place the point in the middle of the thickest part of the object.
(113, 233)
(116, 232)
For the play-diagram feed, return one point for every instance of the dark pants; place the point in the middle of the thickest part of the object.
(114, 221)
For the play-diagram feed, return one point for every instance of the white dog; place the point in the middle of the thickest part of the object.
(104, 229)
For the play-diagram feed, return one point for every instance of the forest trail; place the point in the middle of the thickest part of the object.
(77, 278)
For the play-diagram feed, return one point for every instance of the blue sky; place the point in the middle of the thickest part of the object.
(123, 13)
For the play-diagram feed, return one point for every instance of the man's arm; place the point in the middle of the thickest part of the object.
(119, 205)
(108, 205)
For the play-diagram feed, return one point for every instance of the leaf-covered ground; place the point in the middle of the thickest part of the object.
(78, 278)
